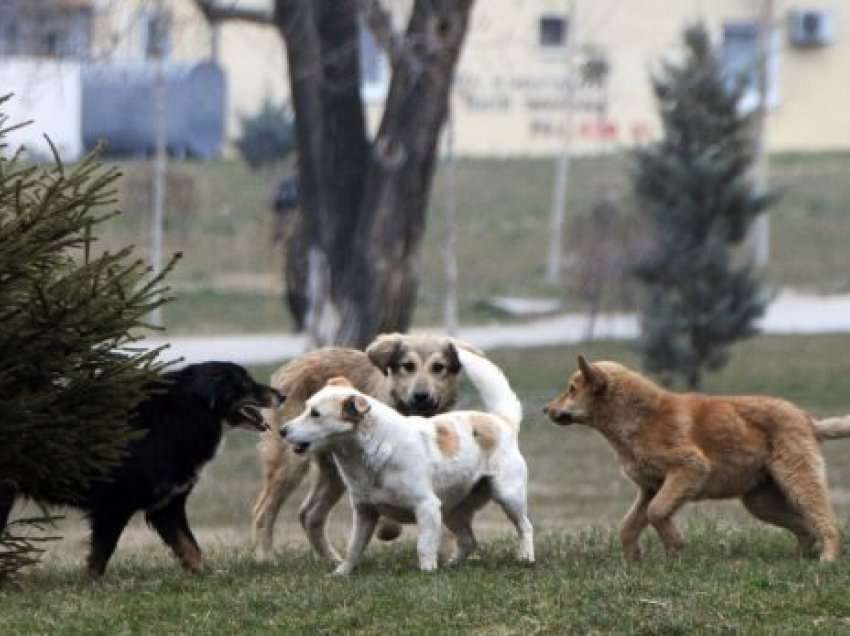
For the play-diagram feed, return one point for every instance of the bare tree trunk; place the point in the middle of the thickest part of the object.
(450, 306)
(160, 159)
(364, 204)
(555, 257)
(760, 231)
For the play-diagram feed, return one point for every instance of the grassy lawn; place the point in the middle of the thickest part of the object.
(229, 277)
(735, 574)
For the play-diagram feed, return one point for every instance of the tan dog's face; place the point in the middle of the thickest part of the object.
(423, 371)
(333, 413)
(577, 403)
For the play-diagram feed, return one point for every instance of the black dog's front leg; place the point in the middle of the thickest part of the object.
(7, 500)
(106, 529)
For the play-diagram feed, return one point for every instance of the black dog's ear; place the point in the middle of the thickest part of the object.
(354, 407)
(385, 351)
(452, 359)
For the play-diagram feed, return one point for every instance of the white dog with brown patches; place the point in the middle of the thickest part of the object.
(431, 471)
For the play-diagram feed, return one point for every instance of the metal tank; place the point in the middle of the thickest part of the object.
(118, 107)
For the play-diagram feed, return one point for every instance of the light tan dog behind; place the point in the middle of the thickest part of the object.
(415, 374)
(679, 448)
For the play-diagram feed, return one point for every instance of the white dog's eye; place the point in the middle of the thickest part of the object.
(314, 413)
(410, 367)
(437, 367)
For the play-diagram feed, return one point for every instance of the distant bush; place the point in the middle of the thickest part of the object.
(267, 136)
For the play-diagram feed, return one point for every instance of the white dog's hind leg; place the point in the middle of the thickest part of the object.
(430, 525)
(512, 497)
(365, 520)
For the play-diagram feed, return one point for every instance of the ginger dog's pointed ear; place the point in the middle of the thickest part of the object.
(593, 375)
(385, 351)
(354, 407)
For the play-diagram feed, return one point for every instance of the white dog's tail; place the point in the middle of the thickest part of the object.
(833, 427)
(494, 388)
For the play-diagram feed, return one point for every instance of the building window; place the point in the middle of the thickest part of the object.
(374, 68)
(553, 31)
(156, 34)
(740, 57)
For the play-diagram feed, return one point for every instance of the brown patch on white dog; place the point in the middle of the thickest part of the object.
(447, 439)
(485, 431)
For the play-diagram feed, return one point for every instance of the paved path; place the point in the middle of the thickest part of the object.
(791, 312)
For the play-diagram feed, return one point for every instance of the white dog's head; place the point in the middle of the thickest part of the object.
(331, 414)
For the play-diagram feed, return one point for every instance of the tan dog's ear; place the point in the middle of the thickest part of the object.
(452, 359)
(354, 407)
(460, 344)
(340, 381)
(385, 351)
(592, 375)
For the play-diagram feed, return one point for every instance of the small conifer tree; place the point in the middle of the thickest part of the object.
(70, 372)
(694, 188)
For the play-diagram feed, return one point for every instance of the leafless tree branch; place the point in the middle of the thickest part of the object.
(380, 24)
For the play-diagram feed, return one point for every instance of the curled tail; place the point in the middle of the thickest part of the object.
(833, 428)
(494, 388)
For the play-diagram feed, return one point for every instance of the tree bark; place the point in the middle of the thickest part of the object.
(364, 204)
(401, 170)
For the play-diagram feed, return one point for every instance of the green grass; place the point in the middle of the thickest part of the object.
(729, 580)
(218, 216)
(734, 575)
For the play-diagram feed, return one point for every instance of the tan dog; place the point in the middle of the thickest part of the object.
(416, 374)
(686, 447)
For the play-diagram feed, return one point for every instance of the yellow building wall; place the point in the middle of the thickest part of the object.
(510, 93)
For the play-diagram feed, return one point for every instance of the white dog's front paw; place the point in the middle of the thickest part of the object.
(428, 565)
(343, 569)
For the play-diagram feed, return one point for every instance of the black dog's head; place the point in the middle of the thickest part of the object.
(231, 393)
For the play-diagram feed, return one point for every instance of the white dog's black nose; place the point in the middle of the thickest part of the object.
(421, 398)
(283, 430)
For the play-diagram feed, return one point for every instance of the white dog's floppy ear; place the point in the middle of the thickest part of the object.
(594, 376)
(354, 407)
(385, 351)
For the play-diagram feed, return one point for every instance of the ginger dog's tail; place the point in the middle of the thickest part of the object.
(833, 427)
(494, 388)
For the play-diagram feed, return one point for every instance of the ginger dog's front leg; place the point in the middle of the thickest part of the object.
(365, 520)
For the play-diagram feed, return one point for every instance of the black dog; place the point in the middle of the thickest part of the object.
(183, 419)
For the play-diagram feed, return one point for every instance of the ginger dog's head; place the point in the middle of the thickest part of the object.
(423, 370)
(578, 403)
(332, 414)
(603, 395)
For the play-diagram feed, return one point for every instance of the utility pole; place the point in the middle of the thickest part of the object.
(562, 169)
(160, 147)
(760, 232)
(450, 307)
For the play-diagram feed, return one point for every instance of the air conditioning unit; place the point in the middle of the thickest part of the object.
(811, 28)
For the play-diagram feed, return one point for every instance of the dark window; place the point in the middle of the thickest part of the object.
(157, 35)
(553, 30)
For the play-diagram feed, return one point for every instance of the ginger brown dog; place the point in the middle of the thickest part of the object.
(416, 374)
(688, 447)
